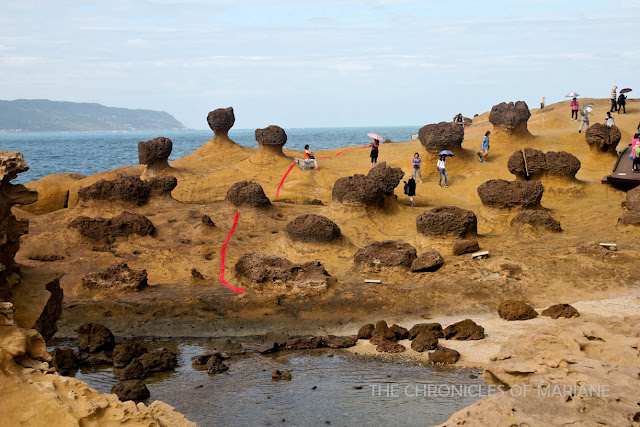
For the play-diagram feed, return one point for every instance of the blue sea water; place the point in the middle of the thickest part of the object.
(91, 152)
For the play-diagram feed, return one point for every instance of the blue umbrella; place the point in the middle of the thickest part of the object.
(445, 153)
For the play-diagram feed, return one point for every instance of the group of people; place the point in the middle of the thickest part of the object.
(618, 103)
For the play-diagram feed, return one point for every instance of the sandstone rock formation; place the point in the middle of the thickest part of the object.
(561, 310)
(464, 330)
(537, 220)
(388, 253)
(499, 193)
(108, 229)
(539, 164)
(158, 361)
(305, 343)
(155, 154)
(312, 228)
(516, 310)
(510, 118)
(215, 364)
(53, 192)
(447, 220)
(603, 139)
(333, 341)
(465, 246)
(367, 190)
(427, 261)
(220, 121)
(441, 136)
(247, 193)
(271, 140)
(118, 277)
(128, 189)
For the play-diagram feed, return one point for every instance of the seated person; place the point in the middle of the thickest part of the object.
(308, 156)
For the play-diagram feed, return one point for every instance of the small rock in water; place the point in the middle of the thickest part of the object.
(281, 375)
(358, 387)
(314, 387)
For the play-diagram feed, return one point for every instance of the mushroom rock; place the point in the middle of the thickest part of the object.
(447, 220)
(271, 140)
(603, 139)
(247, 193)
(562, 163)
(388, 253)
(155, 154)
(537, 219)
(220, 121)
(441, 136)
(312, 228)
(538, 164)
(510, 118)
(499, 193)
(369, 190)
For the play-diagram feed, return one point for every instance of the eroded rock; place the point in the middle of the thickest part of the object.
(537, 219)
(271, 139)
(499, 193)
(388, 253)
(465, 246)
(427, 262)
(367, 190)
(561, 310)
(247, 193)
(312, 228)
(221, 120)
(118, 277)
(424, 341)
(155, 154)
(603, 139)
(128, 189)
(464, 330)
(108, 229)
(516, 310)
(510, 118)
(444, 355)
(447, 220)
(432, 328)
(441, 136)
(382, 333)
(131, 390)
(124, 353)
(94, 338)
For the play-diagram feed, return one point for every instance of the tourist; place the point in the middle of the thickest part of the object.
(375, 144)
(459, 120)
(622, 103)
(609, 120)
(635, 152)
(442, 170)
(309, 157)
(410, 190)
(484, 147)
(574, 109)
(614, 105)
(585, 119)
(416, 166)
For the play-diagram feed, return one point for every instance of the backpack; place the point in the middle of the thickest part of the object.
(637, 153)
(406, 187)
(621, 99)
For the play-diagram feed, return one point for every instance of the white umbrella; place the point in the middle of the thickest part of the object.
(572, 95)
(586, 109)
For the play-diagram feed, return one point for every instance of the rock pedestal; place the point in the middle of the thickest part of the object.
(155, 154)
(271, 140)
(220, 121)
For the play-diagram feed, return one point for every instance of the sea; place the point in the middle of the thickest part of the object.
(87, 153)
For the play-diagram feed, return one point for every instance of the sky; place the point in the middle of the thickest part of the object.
(312, 63)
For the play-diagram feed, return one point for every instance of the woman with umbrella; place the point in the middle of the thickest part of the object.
(622, 101)
(442, 166)
(574, 109)
(375, 144)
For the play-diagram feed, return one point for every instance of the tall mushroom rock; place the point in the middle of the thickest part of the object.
(220, 121)
(510, 119)
(271, 140)
(441, 136)
(155, 154)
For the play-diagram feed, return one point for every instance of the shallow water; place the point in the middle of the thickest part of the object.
(349, 389)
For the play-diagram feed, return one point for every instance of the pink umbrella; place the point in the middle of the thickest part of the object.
(375, 136)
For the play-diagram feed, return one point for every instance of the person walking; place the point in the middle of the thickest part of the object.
(410, 190)
(309, 157)
(375, 144)
(622, 103)
(484, 147)
(635, 152)
(608, 120)
(442, 170)
(585, 120)
(614, 105)
(574, 109)
(416, 166)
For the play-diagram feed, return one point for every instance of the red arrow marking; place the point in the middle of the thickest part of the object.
(222, 258)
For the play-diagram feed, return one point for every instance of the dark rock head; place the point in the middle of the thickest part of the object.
(128, 189)
(94, 338)
(370, 189)
(516, 310)
(603, 139)
(447, 220)
(247, 193)
(499, 193)
(388, 253)
(510, 118)
(312, 228)
(155, 153)
(537, 163)
(441, 136)
(107, 229)
(221, 120)
(271, 135)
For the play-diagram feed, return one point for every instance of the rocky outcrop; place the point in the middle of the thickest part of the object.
(433, 328)
(247, 193)
(155, 154)
(561, 310)
(510, 119)
(562, 164)
(444, 356)
(382, 333)
(464, 330)
(537, 220)
(447, 220)
(94, 338)
(305, 343)
(221, 121)
(124, 353)
(499, 193)
(53, 192)
(128, 189)
(312, 228)
(516, 310)
(424, 341)
(603, 139)
(539, 164)
(271, 140)
(465, 246)
(441, 136)
(275, 273)
(365, 332)
(367, 190)
(131, 390)
(106, 230)
(118, 277)
(427, 262)
(388, 253)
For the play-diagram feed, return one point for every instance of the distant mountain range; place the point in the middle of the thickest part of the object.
(43, 115)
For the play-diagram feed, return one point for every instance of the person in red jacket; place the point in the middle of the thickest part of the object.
(574, 109)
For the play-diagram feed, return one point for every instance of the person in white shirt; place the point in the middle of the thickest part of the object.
(442, 169)
(609, 120)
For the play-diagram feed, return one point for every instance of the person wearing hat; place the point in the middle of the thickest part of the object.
(614, 104)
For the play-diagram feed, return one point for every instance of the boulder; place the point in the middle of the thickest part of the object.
(510, 118)
(390, 347)
(101, 358)
(537, 219)
(562, 164)
(131, 390)
(94, 338)
(441, 136)
(424, 341)
(155, 154)
(305, 343)
(465, 246)
(283, 375)
(603, 139)
(428, 261)
(221, 120)
(158, 361)
(108, 229)
(499, 193)
(388, 253)
(366, 331)
(271, 139)
(128, 189)
(464, 330)
(118, 277)
(516, 310)
(312, 228)
(133, 371)
(215, 365)
(228, 348)
(538, 163)
(561, 310)
(64, 360)
(443, 355)
(333, 341)
(247, 193)
(124, 353)
(382, 333)
(433, 328)
(447, 220)
(400, 332)
(368, 190)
